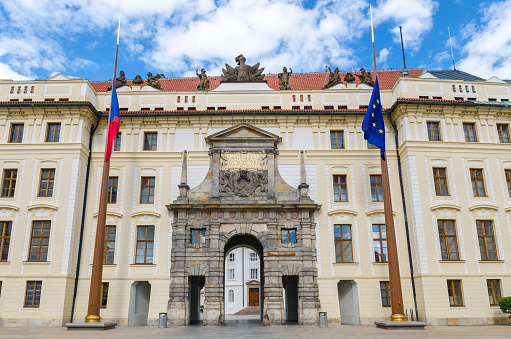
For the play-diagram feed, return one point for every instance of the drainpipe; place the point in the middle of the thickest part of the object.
(82, 223)
(410, 258)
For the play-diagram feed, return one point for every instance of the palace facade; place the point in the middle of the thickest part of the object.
(197, 173)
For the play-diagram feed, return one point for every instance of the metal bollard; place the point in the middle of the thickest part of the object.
(323, 321)
(162, 321)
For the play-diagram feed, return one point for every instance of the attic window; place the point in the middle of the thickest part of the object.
(458, 98)
(342, 107)
(307, 107)
(277, 107)
(108, 110)
(192, 108)
(27, 100)
(492, 99)
(265, 107)
(362, 107)
(145, 109)
(49, 99)
(158, 109)
(210, 108)
(296, 107)
(423, 97)
(405, 73)
(328, 107)
(504, 100)
(222, 108)
(123, 109)
(180, 108)
(471, 99)
(14, 100)
(64, 99)
(437, 98)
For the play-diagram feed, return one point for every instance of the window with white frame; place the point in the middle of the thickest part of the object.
(254, 266)
(231, 296)
(231, 271)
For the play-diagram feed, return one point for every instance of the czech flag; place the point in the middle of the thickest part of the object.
(114, 123)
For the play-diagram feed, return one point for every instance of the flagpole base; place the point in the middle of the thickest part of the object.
(92, 318)
(397, 317)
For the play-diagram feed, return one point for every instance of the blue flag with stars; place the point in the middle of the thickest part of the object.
(373, 126)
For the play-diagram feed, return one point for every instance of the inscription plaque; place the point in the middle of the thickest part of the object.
(248, 161)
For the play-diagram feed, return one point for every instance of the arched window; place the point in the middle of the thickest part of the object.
(231, 296)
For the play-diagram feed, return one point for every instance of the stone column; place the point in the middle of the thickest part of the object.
(178, 306)
(273, 297)
(214, 311)
(272, 165)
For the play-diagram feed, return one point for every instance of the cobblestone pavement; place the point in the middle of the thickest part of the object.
(243, 330)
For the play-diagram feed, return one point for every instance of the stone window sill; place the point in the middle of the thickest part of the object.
(36, 262)
(379, 262)
(346, 263)
(501, 261)
(451, 261)
(142, 265)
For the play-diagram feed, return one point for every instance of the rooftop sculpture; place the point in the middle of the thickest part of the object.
(242, 72)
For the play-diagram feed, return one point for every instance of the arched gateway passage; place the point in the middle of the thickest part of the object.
(243, 201)
(243, 241)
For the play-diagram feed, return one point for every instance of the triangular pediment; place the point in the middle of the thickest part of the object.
(243, 130)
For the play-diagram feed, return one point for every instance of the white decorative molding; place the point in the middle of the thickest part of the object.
(483, 206)
(449, 206)
(342, 211)
(146, 212)
(42, 205)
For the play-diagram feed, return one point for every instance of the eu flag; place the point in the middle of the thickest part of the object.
(373, 126)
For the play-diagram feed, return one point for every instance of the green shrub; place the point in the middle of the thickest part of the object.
(505, 304)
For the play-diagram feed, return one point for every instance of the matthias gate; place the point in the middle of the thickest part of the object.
(243, 201)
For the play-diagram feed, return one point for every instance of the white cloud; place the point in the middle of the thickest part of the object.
(415, 16)
(383, 55)
(488, 50)
(7, 73)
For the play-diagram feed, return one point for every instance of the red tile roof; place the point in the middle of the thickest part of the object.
(298, 81)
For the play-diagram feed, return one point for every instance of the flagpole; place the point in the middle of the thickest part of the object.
(96, 281)
(396, 295)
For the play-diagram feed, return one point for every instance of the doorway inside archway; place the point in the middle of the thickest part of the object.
(243, 280)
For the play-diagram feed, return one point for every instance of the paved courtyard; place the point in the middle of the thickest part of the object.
(243, 330)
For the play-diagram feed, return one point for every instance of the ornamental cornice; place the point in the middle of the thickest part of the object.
(443, 206)
(483, 206)
(341, 211)
(42, 206)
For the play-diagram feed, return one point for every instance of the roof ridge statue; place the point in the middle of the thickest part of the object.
(154, 80)
(203, 80)
(366, 78)
(242, 72)
(334, 78)
(120, 81)
(284, 78)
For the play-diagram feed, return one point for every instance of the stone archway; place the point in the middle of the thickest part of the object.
(244, 200)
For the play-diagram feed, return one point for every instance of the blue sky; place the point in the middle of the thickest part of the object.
(77, 37)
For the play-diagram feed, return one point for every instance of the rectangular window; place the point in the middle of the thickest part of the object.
(448, 241)
(433, 131)
(47, 181)
(385, 293)
(508, 180)
(376, 188)
(380, 243)
(371, 146)
(503, 130)
(145, 245)
(16, 133)
(336, 139)
(5, 239)
(454, 289)
(470, 132)
(486, 240)
(117, 144)
(476, 175)
(343, 246)
(150, 141)
(9, 184)
(198, 236)
(40, 240)
(33, 294)
(112, 190)
(53, 134)
(108, 256)
(493, 291)
(231, 270)
(340, 188)
(147, 190)
(288, 235)
(440, 178)
(253, 273)
(104, 294)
